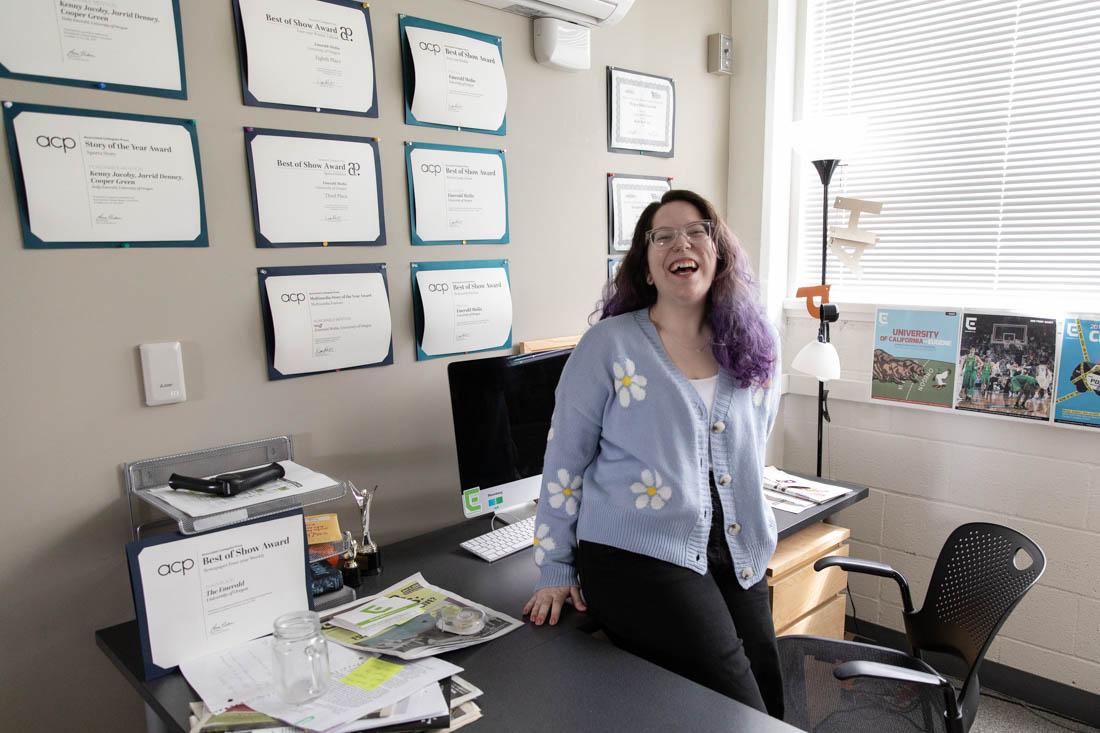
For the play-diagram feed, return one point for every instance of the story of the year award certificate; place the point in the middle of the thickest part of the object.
(102, 179)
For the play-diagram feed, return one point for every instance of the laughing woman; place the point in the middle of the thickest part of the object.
(652, 513)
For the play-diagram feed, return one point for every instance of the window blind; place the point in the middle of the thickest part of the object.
(983, 144)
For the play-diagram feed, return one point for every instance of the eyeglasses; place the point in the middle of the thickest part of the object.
(696, 232)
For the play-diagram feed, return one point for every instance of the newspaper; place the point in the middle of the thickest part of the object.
(420, 637)
(785, 483)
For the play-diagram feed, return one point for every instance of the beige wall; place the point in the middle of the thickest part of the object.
(72, 398)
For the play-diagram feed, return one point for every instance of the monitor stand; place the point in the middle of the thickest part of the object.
(517, 512)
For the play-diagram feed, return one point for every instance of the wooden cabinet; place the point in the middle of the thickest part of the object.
(805, 601)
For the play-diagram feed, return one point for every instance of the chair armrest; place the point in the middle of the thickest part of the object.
(869, 567)
(877, 670)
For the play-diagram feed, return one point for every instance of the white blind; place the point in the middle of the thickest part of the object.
(983, 145)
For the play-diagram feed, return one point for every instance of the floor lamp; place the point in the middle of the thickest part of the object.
(823, 141)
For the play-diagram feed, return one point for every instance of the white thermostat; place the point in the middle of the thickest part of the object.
(162, 370)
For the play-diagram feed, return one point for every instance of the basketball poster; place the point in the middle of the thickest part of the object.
(1077, 397)
(914, 356)
(1006, 365)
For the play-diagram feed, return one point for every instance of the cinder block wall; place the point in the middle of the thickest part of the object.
(930, 472)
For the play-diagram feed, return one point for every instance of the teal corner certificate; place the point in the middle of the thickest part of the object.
(87, 178)
(457, 195)
(461, 307)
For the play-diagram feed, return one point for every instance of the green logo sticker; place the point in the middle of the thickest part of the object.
(471, 500)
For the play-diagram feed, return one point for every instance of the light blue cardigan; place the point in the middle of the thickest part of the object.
(628, 453)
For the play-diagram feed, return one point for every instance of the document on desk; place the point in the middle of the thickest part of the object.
(243, 674)
(801, 488)
(298, 480)
(420, 637)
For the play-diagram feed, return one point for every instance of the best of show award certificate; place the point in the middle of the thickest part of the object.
(464, 309)
(459, 80)
(314, 190)
(458, 194)
(643, 112)
(107, 178)
(124, 42)
(308, 53)
(325, 322)
(213, 591)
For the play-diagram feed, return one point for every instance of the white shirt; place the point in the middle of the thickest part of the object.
(706, 387)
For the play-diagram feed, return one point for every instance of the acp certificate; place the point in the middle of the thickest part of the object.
(316, 189)
(213, 591)
(642, 113)
(458, 194)
(464, 309)
(118, 42)
(109, 177)
(309, 53)
(329, 321)
(628, 196)
(460, 80)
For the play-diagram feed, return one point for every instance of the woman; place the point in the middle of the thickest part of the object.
(652, 501)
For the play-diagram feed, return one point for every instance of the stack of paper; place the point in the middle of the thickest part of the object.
(795, 486)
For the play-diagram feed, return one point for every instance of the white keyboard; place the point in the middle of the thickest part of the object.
(504, 541)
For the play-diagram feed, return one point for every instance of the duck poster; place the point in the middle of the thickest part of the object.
(914, 356)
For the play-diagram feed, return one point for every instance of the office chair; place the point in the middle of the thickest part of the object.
(981, 574)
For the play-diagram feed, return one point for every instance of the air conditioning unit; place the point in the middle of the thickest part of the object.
(590, 13)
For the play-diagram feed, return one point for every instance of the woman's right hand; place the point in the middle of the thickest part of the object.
(550, 600)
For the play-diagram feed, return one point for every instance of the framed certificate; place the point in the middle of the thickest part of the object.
(131, 46)
(461, 307)
(310, 189)
(627, 197)
(87, 178)
(641, 113)
(307, 54)
(454, 77)
(457, 195)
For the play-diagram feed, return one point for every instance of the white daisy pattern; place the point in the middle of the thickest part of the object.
(757, 396)
(550, 435)
(543, 542)
(566, 491)
(628, 383)
(652, 492)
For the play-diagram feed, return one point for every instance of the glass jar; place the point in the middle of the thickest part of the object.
(300, 657)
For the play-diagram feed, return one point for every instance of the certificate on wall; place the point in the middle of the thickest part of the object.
(325, 318)
(1077, 394)
(627, 197)
(913, 362)
(122, 45)
(454, 77)
(461, 307)
(105, 179)
(311, 189)
(641, 113)
(307, 54)
(456, 195)
(201, 594)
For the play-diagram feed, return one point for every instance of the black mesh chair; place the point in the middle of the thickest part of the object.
(981, 574)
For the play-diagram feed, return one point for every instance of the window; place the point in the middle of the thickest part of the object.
(983, 145)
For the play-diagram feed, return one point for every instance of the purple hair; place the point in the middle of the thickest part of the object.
(743, 342)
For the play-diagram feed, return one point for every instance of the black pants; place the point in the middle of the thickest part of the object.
(704, 627)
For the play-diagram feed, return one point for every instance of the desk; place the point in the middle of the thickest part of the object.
(536, 678)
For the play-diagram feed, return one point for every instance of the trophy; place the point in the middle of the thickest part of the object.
(369, 557)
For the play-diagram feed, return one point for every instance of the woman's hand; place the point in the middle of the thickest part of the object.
(550, 600)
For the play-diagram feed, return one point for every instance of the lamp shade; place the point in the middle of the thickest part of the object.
(828, 138)
(818, 359)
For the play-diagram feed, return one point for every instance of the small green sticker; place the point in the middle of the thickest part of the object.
(471, 499)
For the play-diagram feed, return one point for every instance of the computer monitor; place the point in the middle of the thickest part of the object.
(502, 408)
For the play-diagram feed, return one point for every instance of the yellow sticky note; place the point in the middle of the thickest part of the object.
(322, 528)
(371, 673)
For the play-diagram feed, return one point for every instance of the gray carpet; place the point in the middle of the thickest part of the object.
(1000, 716)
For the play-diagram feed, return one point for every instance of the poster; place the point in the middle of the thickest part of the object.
(1005, 365)
(324, 318)
(627, 198)
(914, 356)
(95, 179)
(120, 45)
(1077, 394)
(641, 113)
(461, 307)
(457, 194)
(454, 77)
(310, 189)
(307, 54)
